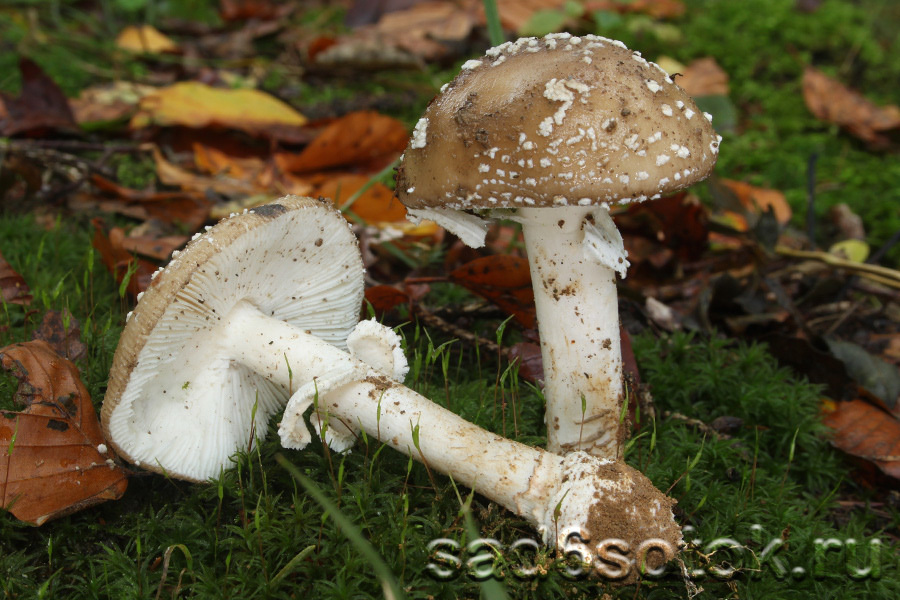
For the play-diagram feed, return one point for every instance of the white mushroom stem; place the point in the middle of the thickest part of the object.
(558, 495)
(573, 270)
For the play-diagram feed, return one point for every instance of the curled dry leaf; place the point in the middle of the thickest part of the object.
(356, 138)
(421, 28)
(831, 101)
(194, 104)
(53, 459)
(13, 288)
(504, 280)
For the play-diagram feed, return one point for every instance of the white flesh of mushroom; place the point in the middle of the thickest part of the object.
(558, 495)
(573, 266)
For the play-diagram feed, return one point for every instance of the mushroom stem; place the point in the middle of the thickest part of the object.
(577, 314)
(558, 495)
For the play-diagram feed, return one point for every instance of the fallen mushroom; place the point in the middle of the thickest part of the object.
(580, 503)
(551, 132)
(197, 369)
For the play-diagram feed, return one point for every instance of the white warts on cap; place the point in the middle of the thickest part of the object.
(418, 138)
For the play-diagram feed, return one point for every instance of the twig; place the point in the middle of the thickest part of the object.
(883, 275)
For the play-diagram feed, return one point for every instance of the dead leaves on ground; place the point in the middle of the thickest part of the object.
(831, 101)
(13, 288)
(53, 459)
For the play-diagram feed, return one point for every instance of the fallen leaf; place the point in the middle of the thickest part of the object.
(385, 298)
(62, 332)
(875, 376)
(53, 460)
(504, 280)
(12, 285)
(159, 248)
(831, 101)
(868, 432)
(40, 108)
(242, 10)
(702, 77)
(357, 137)
(658, 9)
(145, 39)
(376, 205)
(194, 104)
(426, 29)
(530, 361)
(171, 174)
(757, 200)
(119, 261)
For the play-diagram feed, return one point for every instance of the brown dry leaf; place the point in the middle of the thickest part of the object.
(868, 432)
(504, 280)
(375, 205)
(384, 298)
(831, 101)
(40, 108)
(62, 332)
(704, 77)
(194, 104)
(188, 208)
(171, 174)
(658, 9)
(758, 200)
(145, 39)
(423, 27)
(242, 10)
(53, 460)
(120, 261)
(13, 288)
(357, 137)
(159, 248)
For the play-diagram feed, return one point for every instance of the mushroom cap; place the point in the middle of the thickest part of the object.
(177, 403)
(556, 121)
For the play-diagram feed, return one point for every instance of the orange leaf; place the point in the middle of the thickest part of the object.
(757, 200)
(831, 101)
(357, 137)
(868, 432)
(504, 280)
(13, 288)
(53, 460)
(375, 205)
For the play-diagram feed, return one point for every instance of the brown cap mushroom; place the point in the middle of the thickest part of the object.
(199, 353)
(554, 131)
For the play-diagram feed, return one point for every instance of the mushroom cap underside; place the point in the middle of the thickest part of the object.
(556, 121)
(177, 403)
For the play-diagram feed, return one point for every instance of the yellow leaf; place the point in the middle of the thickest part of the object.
(193, 104)
(145, 39)
(853, 250)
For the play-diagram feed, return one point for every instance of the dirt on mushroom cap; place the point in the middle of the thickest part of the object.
(561, 120)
